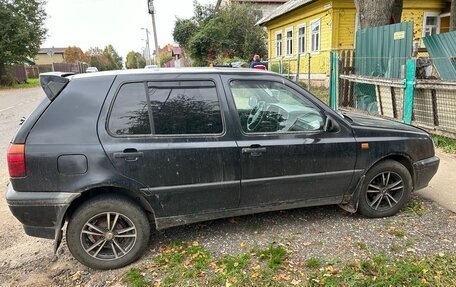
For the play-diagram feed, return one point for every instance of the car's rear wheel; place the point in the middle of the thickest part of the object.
(386, 189)
(108, 232)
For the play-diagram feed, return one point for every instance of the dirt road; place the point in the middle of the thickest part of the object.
(27, 261)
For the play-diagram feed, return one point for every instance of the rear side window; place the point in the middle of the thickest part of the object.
(185, 110)
(130, 113)
(175, 108)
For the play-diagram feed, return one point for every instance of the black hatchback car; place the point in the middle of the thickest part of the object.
(113, 153)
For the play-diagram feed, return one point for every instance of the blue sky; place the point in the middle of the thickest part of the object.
(88, 23)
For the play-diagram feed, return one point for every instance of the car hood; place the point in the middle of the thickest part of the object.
(375, 122)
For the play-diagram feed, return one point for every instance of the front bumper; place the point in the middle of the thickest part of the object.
(424, 171)
(41, 213)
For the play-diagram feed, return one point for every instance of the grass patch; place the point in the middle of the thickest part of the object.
(447, 144)
(313, 263)
(189, 264)
(415, 208)
(31, 83)
(135, 278)
(274, 255)
(382, 271)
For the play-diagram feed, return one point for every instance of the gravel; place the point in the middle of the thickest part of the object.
(324, 232)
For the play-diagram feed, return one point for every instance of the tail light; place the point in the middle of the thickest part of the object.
(16, 160)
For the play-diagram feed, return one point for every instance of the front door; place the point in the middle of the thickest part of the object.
(170, 134)
(286, 156)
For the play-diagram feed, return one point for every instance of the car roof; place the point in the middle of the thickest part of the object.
(174, 71)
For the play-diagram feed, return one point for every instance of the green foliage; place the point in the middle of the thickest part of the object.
(275, 255)
(190, 264)
(135, 278)
(135, 60)
(114, 61)
(104, 60)
(184, 30)
(165, 58)
(448, 144)
(228, 32)
(21, 31)
(383, 271)
(313, 263)
(74, 54)
(415, 208)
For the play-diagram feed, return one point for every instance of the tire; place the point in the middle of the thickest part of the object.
(103, 246)
(378, 199)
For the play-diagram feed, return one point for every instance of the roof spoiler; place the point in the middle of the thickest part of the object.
(53, 83)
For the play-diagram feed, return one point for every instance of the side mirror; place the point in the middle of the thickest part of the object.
(253, 102)
(331, 125)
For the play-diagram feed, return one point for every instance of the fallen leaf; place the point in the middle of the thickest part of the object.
(295, 282)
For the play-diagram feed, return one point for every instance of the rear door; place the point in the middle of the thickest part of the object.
(286, 156)
(170, 133)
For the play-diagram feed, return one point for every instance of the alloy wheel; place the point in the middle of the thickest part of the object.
(108, 236)
(385, 191)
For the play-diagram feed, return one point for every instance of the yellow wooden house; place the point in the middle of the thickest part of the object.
(314, 28)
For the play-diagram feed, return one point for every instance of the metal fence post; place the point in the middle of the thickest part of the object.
(334, 81)
(298, 65)
(410, 82)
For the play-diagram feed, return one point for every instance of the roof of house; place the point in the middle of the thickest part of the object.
(283, 9)
(56, 50)
(177, 50)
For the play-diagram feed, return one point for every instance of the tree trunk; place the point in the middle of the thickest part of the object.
(453, 16)
(397, 10)
(373, 13)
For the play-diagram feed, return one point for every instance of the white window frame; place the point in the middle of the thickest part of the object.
(311, 37)
(301, 49)
(276, 44)
(287, 46)
(430, 14)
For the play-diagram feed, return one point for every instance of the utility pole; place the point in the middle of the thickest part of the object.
(157, 49)
(148, 57)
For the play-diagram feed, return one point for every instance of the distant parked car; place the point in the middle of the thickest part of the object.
(113, 153)
(92, 70)
(151, 67)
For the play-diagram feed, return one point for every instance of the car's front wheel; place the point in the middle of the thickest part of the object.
(108, 232)
(386, 189)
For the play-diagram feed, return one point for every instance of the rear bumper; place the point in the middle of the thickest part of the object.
(424, 171)
(41, 213)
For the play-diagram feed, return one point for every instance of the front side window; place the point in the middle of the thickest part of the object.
(130, 113)
(302, 39)
(431, 24)
(290, 42)
(185, 110)
(279, 44)
(315, 40)
(272, 107)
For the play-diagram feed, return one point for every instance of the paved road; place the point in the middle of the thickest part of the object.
(442, 187)
(14, 104)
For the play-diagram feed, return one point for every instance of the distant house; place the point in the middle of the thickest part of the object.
(316, 27)
(265, 6)
(48, 56)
